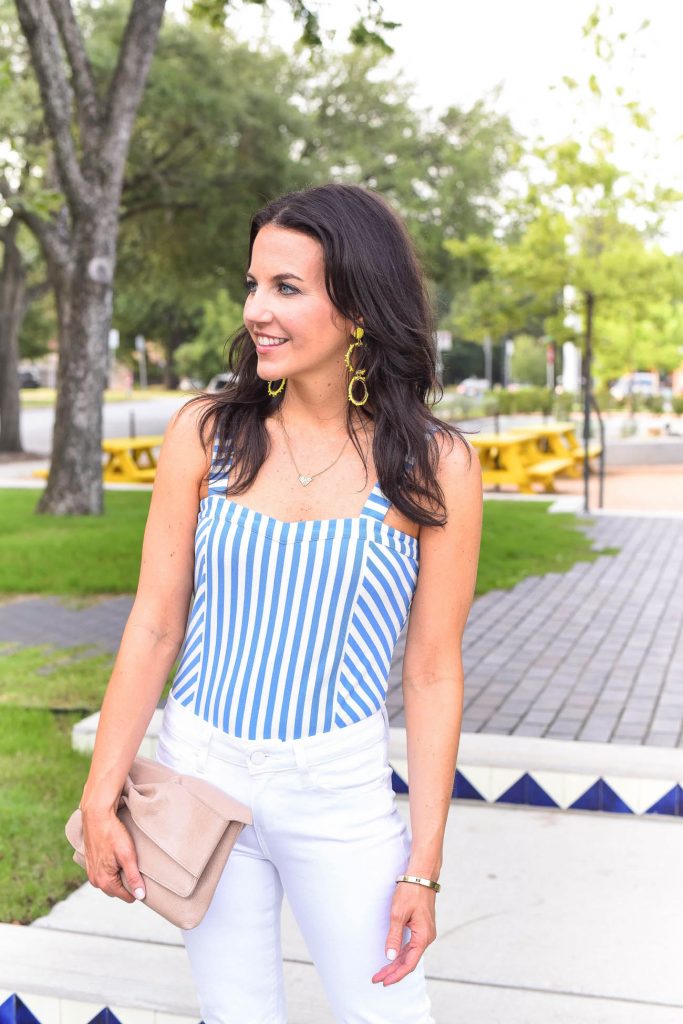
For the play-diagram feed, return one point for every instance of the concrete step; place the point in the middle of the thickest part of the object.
(542, 918)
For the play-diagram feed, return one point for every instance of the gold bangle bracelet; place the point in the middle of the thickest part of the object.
(420, 881)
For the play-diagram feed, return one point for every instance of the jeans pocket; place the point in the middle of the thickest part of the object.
(175, 753)
(353, 772)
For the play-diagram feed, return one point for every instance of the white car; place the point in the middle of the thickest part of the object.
(473, 387)
(219, 381)
(642, 382)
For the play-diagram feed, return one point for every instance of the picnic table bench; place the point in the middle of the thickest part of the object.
(515, 458)
(560, 440)
(129, 459)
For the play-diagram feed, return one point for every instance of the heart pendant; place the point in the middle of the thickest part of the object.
(305, 480)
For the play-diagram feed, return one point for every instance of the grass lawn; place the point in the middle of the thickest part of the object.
(43, 691)
(76, 555)
(87, 555)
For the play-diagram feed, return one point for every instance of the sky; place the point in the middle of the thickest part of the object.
(455, 54)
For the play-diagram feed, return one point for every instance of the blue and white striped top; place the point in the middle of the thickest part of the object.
(293, 624)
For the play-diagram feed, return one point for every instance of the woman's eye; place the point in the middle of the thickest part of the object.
(292, 291)
(249, 286)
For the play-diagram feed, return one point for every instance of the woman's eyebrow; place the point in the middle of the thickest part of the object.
(280, 277)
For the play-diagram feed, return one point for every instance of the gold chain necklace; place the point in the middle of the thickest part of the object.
(303, 479)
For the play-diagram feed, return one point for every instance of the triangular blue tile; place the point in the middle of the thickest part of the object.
(670, 803)
(105, 1016)
(536, 795)
(590, 800)
(463, 788)
(397, 783)
(517, 793)
(15, 1011)
(610, 801)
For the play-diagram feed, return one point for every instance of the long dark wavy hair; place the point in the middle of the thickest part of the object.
(371, 271)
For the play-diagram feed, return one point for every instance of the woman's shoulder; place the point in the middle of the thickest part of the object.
(190, 433)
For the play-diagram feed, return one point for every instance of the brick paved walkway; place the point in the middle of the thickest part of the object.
(595, 653)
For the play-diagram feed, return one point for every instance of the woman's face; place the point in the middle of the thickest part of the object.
(287, 302)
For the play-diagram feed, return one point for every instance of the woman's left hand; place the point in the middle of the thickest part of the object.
(413, 906)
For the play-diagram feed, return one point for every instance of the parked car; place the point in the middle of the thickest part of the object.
(642, 382)
(190, 384)
(219, 381)
(473, 387)
(28, 379)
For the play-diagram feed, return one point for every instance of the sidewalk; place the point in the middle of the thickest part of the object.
(544, 918)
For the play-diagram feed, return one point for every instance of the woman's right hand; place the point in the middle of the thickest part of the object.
(109, 849)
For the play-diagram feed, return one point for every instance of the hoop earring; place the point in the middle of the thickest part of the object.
(278, 390)
(358, 375)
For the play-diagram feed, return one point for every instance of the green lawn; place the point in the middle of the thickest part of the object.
(76, 555)
(84, 555)
(44, 691)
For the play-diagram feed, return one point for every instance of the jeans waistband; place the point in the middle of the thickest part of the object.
(183, 724)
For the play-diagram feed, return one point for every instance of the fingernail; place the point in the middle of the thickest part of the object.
(391, 954)
(139, 894)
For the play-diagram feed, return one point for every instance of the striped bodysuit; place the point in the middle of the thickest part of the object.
(293, 624)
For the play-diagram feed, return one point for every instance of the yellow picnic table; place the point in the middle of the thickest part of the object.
(559, 439)
(130, 460)
(515, 458)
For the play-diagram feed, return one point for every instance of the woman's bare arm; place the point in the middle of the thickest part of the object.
(433, 685)
(151, 640)
(155, 628)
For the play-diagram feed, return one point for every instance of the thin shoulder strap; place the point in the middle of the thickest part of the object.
(218, 475)
(376, 505)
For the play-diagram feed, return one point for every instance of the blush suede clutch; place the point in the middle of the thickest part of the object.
(183, 829)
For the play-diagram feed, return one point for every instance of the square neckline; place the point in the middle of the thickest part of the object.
(361, 517)
(297, 522)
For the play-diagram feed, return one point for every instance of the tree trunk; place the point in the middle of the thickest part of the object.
(91, 136)
(84, 306)
(12, 308)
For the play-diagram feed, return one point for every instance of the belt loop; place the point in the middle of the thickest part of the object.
(204, 749)
(300, 757)
(385, 715)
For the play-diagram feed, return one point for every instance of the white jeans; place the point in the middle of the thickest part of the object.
(326, 831)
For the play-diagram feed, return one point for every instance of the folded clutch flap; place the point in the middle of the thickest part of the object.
(177, 820)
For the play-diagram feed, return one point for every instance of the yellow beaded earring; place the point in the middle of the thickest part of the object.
(358, 375)
(278, 390)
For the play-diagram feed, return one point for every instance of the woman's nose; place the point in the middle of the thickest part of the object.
(256, 309)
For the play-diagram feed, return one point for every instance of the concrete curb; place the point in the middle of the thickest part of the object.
(530, 770)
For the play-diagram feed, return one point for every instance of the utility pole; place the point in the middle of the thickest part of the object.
(588, 354)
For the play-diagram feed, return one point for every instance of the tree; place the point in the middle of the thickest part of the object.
(22, 180)
(203, 157)
(443, 175)
(90, 134)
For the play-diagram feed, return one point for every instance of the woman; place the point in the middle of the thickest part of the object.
(301, 578)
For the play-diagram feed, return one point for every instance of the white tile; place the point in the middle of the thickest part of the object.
(574, 785)
(77, 1011)
(45, 1008)
(627, 789)
(479, 777)
(502, 779)
(639, 794)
